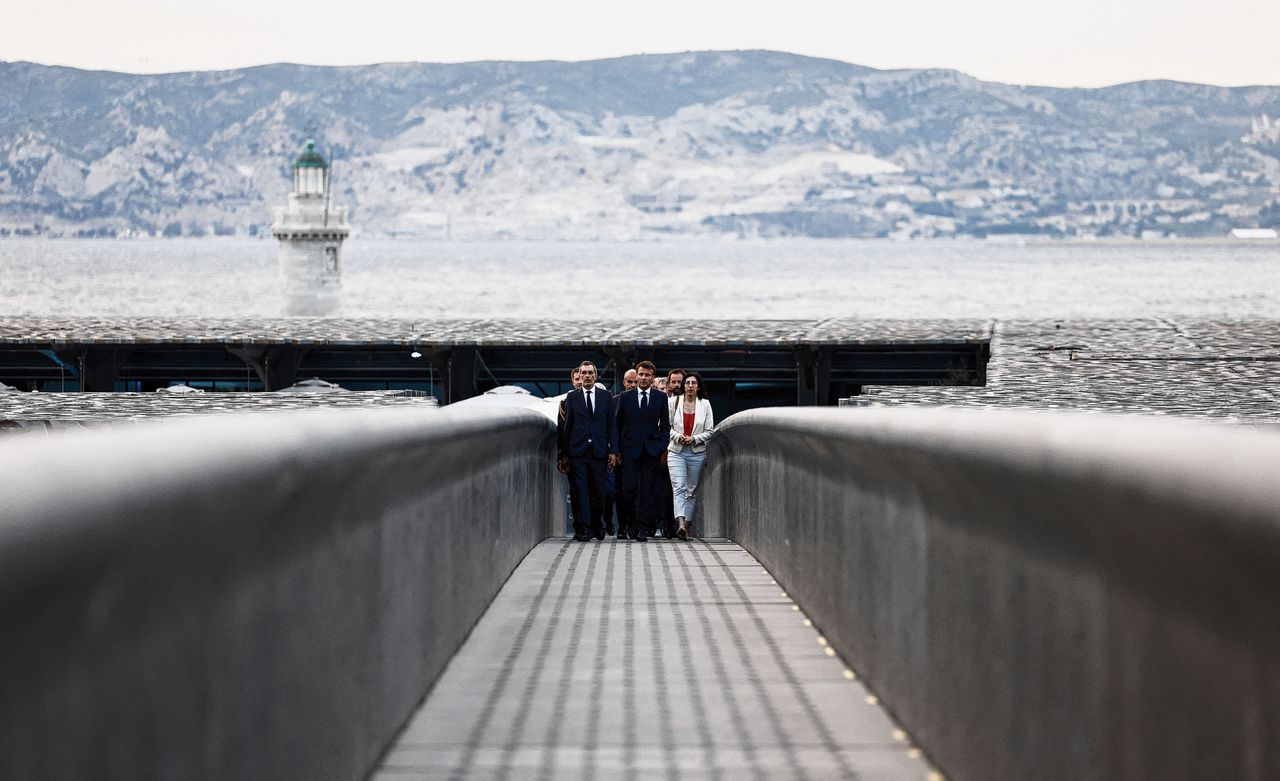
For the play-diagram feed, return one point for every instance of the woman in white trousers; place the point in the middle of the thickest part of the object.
(692, 424)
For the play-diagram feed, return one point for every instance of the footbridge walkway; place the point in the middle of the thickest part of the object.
(874, 593)
(659, 660)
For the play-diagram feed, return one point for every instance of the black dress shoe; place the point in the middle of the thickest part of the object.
(581, 538)
(640, 538)
(600, 535)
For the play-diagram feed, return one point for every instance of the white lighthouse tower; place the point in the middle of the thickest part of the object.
(310, 231)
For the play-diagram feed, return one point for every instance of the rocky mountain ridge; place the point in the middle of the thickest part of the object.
(696, 144)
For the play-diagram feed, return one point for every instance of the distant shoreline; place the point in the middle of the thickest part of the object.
(1002, 239)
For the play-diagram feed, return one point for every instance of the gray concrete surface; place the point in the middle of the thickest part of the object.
(1035, 596)
(36, 414)
(311, 331)
(260, 596)
(1215, 369)
(655, 660)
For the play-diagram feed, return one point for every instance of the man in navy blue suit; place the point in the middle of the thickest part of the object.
(643, 429)
(625, 528)
(587, 437)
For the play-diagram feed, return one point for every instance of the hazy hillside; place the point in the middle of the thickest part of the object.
(752, 143)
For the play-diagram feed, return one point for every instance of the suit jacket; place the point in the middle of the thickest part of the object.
(641, 430)
(704, 424)
(583, 433)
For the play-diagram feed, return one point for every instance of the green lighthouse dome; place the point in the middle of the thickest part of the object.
(310, 158)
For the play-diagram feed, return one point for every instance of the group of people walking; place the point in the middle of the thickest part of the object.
(641, 451)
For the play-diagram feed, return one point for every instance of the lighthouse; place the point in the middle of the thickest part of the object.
(310, 231)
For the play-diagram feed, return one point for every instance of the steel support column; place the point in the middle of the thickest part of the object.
(276, 367)
(806, 391)
(623, 360)
(280, 366)
(460, 374)
(99, 367)
(822, 378)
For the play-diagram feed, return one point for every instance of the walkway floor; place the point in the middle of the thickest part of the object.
(647, 660)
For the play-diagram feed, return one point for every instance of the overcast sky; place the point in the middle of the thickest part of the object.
(1082, 43)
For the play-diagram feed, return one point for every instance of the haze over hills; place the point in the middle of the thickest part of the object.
(697, 144)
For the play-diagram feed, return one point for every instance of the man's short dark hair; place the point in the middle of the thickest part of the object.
(647, 365)
(588, 363)
(681, 372)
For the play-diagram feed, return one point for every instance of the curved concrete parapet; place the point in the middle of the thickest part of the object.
(265, 596)
(1034, 596)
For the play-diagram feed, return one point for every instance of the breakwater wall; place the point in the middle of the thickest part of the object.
(1033, 596)
(250, 597)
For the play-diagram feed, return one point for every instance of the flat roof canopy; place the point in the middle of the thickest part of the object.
(745, 362)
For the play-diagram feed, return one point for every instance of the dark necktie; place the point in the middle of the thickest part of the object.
(644, 399)
(591, 410)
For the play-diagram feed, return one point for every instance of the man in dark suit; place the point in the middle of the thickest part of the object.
(643, 429)
(587, 438)
(626, 529)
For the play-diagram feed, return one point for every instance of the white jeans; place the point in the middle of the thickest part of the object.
(685, 468)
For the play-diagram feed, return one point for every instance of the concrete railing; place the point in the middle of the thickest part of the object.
(264, 596)
(1033, 596)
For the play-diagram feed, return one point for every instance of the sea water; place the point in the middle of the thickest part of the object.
(679, 280)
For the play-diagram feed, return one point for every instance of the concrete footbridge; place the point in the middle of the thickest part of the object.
(872, 594)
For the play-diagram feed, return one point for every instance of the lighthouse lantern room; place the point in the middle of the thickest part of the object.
(310, 232)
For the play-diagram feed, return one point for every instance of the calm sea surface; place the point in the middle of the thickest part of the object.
(764, 279)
